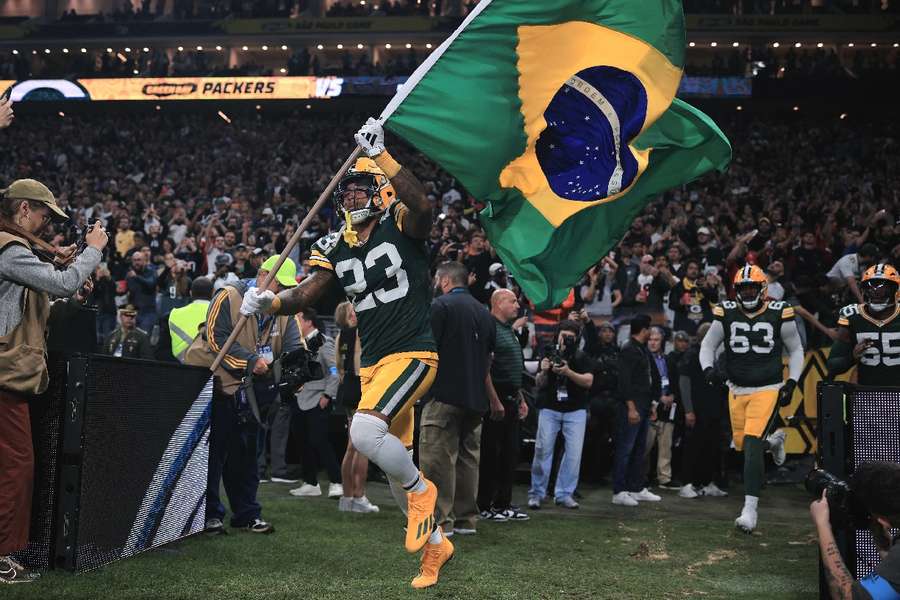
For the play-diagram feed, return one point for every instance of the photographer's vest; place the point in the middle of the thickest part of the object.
(23, 351)
(250, 337)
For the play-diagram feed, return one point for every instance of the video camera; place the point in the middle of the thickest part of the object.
(557, 354)
(298, 367)
(844, 504)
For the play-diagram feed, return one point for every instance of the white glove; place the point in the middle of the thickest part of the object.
(256, 301)
(370, 138)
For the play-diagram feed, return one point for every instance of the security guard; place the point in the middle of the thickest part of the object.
(127, 340)
(26, 286)
(184, 322)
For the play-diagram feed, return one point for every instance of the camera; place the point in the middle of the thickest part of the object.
(561, 353)
(844, 504)
(298, 367)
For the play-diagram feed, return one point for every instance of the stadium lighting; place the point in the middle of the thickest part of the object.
(308, 106)
(65, 50)
(362, 2)
(34, 51)
(692, 44)
(739, 107)
(797, 45)
(127, 49)
(46, 50)
(135, 71)
(734, 44)
(244, 48)
(713, 44)
(428, 46)
(265, 47)
(340, 46)
(218, 48)
(15, 51)
(320, 47)
(258, 107)
(282, 70)
(850, 45)
(775, 45)
(873, 44)
(388, 46)
(796, 108)
(109, 50)
(180, 48)
(359, 46)
(84, 50)
(200, 48)
(283, 47)
(896, 45)
(408, 46)
(843, 116)
(61, 114)
(158, 107)
(224, 117)
(819, 45)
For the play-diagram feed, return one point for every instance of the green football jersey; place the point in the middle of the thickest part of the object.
(753, 344)
(880, 363)
(388, 280)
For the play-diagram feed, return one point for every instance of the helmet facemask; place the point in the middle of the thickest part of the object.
(879, 294)
(749, 294)
(360, 182)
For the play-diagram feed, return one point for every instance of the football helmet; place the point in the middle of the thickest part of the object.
(750, 286)
(880, 286)
(368, 177)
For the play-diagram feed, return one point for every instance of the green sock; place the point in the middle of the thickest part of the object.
(753, 465)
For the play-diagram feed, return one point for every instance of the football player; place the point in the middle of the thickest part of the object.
(869, 333)
(753, 330)
(380, 260)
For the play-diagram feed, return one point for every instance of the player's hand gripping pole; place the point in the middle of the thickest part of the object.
(295, 239)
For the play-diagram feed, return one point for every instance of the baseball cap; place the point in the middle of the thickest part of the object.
(268, 211)
(287, 274)
(495, 268)
(682, 335)
(223, 259)
(257, 251)
(607, 325)
(29, 189)
(128, 309)
(703, 230)
(241, 247)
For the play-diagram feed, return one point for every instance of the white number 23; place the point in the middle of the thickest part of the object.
(358, 286)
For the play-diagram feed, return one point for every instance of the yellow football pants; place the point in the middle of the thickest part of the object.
(751, 414)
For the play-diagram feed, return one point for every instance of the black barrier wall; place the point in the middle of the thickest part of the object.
(121, 459)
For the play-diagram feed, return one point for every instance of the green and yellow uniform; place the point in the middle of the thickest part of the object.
(388, 280)
(753, 348)
(880, 363)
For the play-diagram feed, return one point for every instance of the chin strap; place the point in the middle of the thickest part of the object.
(349, 235)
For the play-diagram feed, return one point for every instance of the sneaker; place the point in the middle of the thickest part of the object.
(259, 526)
(534, 503)
(214, 527)
(514, 514)
(645, 495)
(464, 531)
(492, 515)
(11, 571)
(713, 490)
(420, 516)
(283, 480)
(747, 521)
(307, 491)
(624, 499)
(567, 502)
(362, 505)
(688, 491)
(776, 447)
(264, 480)
(434, 557)
(335, 490)
(671, 485)
(345, 504)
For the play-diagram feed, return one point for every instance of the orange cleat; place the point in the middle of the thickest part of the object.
(435, 557)
(420, 516)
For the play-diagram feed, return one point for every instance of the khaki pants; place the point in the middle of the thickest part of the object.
(449, 452)
(661, 433)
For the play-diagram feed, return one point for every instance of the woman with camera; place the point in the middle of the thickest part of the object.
(27, 283)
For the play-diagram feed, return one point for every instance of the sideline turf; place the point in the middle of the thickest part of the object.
(673, 549)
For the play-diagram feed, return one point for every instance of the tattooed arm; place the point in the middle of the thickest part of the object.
(840, 581)
(414, 212)
(307, 293)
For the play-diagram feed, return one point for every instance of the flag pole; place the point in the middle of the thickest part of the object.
(295, 239)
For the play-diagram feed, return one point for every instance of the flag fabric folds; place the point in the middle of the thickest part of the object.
(561, 116)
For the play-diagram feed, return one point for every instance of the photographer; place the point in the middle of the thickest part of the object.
(876, 488)
(563, 383)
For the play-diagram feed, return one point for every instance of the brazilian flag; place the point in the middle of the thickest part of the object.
(561, 116)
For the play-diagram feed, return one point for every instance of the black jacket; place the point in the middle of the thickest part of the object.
(638, 377)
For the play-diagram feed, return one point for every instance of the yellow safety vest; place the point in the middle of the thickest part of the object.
(184, 323)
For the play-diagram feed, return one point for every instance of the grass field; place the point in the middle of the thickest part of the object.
(674, 549)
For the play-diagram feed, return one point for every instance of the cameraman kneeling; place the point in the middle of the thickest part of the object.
(563, 381)
(876, 485)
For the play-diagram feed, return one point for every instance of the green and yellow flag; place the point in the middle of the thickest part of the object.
(561, 116)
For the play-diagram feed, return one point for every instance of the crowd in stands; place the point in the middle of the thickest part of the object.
(186, 189)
